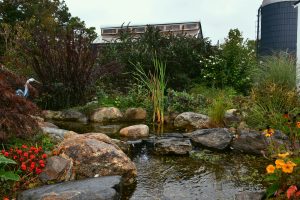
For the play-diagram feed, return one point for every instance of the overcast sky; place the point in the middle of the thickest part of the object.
(216, 16)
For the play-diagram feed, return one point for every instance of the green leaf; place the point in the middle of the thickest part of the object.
(272, 189)
(9, 175)
(6, 161)
(272, 177)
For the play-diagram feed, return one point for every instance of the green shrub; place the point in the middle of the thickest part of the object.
(184, 102)
(278, 69)
(269, 103)
(274, 92)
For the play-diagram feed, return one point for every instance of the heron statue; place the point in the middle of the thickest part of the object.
(25, 93)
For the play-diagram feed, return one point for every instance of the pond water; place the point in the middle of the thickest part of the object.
(205, 174)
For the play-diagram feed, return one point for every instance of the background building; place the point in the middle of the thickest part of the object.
(189, 28)
(277, 27)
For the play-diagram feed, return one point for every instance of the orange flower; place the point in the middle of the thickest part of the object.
(298, 124)
(283, 155)
(287, 168)
(291, 163)
(270, 169)
(279, 163)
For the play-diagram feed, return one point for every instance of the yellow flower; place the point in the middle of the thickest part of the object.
(288, 168)
(269, 132)
(283, 155)
(279, 163)
(270, 169)
(298, 124)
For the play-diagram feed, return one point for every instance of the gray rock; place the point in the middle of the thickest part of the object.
(57, 169)
(135, 131)
(102, 188)
(106, 114)
(254, 142)
(232, 116)
(135, 114)
(250, 196)
(217, 138)
(73, 115)
(251, 142)
(56, 134)
(190, 120)
(178, 146)
(66, 115)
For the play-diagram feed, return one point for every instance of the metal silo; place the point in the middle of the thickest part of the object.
(277, 30)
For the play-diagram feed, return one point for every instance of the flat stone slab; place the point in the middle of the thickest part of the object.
(177, 146)
(217, 138)
(102, 188)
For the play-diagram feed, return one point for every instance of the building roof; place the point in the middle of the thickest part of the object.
(296, 3)
(267, 2)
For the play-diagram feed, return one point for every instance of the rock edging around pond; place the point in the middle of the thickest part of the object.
(102, 188)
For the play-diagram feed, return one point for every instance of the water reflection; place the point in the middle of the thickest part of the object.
(190, 178)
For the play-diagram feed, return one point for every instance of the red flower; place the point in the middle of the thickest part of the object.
(23, 167)
(15, 157)
(291, 191)
(24, 146)
(42, 165)
(32, 157)
(2, 151)
(38, 170)
(25, 154)
(19, 152)
(32, 148)
(41, 161)
(6, 154)
(44, 156)
(36, 151)
(21, 159)
(32, 165)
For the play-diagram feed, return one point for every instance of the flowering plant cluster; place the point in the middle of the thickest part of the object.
(31, 160)
(283, 175)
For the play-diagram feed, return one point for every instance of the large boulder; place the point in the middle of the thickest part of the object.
(96, 154)
(253, 142)
(191, 121)
(177, 146)
(57, 169)
(217, 138)
(65, 115)
(102, 188)
(106, 114)
(135, 131)
(135, 114)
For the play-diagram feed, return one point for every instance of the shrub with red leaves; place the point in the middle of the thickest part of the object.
(15, 111)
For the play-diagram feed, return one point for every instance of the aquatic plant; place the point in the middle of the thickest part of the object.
(155, 81)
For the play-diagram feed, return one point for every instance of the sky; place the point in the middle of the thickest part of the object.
(217, 17)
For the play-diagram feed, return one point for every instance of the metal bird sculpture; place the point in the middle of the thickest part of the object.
(25, 93)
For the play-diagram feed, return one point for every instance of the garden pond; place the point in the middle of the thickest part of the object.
(204, 174)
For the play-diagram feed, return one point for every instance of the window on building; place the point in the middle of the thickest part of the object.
(109, 31)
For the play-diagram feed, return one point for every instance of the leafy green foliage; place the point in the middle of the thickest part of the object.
(274, 92)
(232, 65)
(182, 54)
(183, 102)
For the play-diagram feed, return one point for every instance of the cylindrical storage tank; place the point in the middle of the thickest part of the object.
(278, 27)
